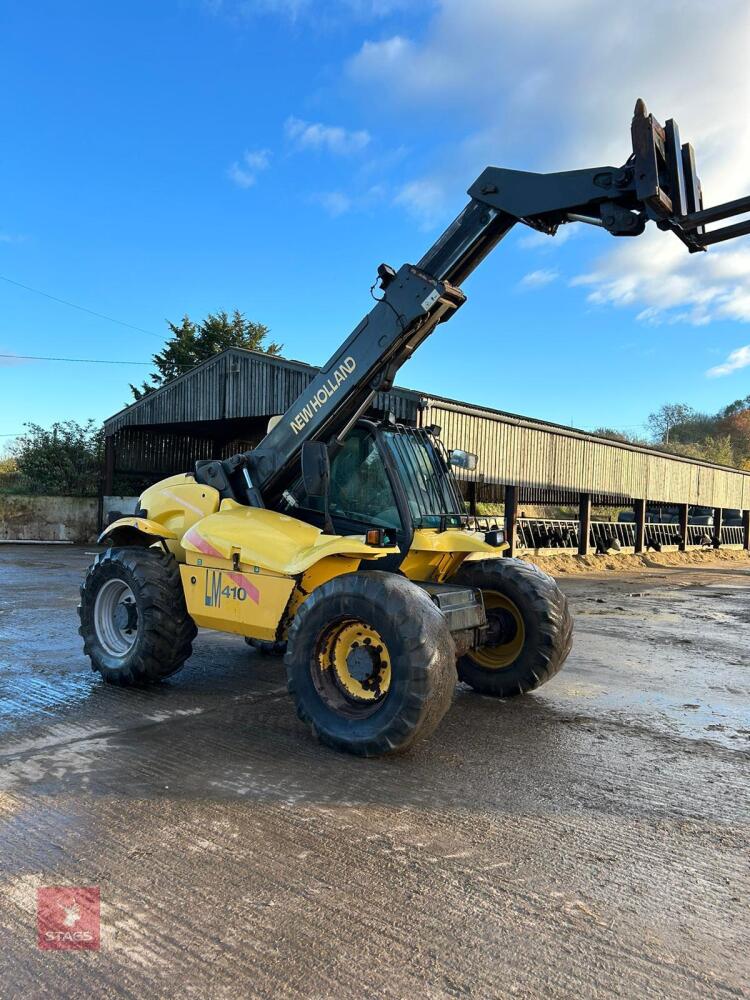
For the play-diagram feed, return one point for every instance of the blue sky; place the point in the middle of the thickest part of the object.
(184, 157)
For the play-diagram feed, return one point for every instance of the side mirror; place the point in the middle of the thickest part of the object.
(462, 459)
(316, 468)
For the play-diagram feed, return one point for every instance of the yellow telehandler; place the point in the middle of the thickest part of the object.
(345, 541)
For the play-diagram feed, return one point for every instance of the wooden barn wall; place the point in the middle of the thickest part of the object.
(543, 458)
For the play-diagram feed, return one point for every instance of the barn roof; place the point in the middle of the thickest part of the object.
(237, 384)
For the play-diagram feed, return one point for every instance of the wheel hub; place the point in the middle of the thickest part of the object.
(353, 668)
(125, 616)
(501, 627)
(505, 636)
(365, 665)
(116, 618)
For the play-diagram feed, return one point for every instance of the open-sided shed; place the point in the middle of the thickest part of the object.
(223, 406)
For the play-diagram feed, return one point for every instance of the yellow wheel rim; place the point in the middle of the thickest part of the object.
(356, 658)
(505, 623)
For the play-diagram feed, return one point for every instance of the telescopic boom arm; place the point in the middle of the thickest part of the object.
(657, 182)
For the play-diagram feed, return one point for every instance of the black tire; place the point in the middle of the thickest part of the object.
(416, 643)
(153, 620)
(544, 633)
(266, 646)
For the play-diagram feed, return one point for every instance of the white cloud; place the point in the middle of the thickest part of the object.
(288, 8)
(538, 279)
(12, 238)
(737, 359)
(656, 275)
(423, 199)
(553, 84)
(334, 202)
(546, 85)
(258, 160)
(360, 199)
(375, 57)
(333, 138)
(377, 8)
(245, 173)
(296, 10)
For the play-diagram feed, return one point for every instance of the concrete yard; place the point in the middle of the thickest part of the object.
(590, 840)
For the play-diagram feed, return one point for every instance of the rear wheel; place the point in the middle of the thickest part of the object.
(530, 631)
(370, 663)
(134, 622)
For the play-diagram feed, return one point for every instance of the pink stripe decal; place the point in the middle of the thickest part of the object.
(240, 579)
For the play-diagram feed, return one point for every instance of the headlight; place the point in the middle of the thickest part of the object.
(495, 537)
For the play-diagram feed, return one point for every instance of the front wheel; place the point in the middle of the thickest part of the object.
(134, 622)
(530, 631)
(370, 663)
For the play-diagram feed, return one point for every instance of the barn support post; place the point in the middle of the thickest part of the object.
(109, 465)
(511, 517)
(106, 482)
(584, 523)
(682, 512)
(639, 509)
(472, 498)
(746, 530)
(718, 522)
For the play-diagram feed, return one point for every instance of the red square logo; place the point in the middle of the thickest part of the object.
(67, 916)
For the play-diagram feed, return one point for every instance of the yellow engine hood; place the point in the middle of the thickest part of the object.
(272, 541)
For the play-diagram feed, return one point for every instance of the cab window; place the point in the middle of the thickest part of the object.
(360, 488)
(360, 494)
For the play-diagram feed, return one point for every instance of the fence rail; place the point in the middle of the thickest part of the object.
(562, 533)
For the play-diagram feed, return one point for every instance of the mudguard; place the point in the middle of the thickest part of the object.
(135, 530)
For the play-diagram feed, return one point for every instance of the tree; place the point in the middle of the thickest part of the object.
(191, 343)
(614, 435)
(736, 424)
(717, 449)
(65, 460)
(738, 406)
(661, 422)
(8, 473)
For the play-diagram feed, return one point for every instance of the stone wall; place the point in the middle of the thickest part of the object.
(48, 519)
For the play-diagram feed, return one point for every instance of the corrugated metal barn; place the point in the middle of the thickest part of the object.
(549, 460)
(224, 404)
(212, 411)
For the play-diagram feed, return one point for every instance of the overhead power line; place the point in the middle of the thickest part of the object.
(95, 361)
(99, 361)
(82, 361)
(74, 305)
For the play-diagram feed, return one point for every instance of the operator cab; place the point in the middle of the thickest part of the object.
(385, 476)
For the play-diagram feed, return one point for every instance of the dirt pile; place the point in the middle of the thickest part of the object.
(561, 564)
